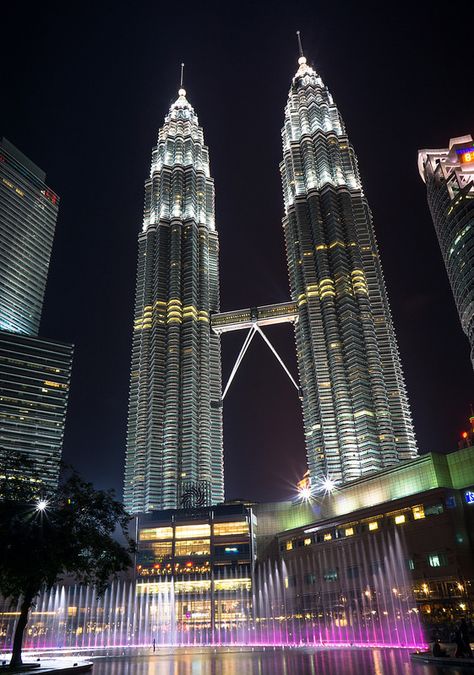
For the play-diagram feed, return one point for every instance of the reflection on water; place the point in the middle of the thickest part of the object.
(269, 662)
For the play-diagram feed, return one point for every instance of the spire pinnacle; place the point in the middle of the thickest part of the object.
(302, 58)
(182, 92)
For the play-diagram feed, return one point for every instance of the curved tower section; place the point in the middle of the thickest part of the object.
(174, 439)
(355, 406)
(449, 177)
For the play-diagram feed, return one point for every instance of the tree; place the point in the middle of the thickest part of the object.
(46, 535)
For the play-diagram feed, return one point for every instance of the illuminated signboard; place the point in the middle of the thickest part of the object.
(466, 155)
(469, 497)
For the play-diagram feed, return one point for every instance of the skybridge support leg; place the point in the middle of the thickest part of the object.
(295, 384)
(241, 355)
(255, 327)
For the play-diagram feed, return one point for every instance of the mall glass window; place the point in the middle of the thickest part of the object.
(437, 560)
(330, 575)
(154, 533)
(191, 531)
(225, 529)
(192, 547)
(353, 572)
(434, 510)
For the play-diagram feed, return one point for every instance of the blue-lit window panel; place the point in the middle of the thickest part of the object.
(330, 575)
(469, 497)
(437, 560)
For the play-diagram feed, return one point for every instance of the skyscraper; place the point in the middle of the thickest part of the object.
(34, 372)
(174, 440)
(449, 177)
(356, 413)
(29, 209)
(34, 390)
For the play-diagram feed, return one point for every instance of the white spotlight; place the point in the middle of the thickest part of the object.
(328, 485)
(305, 494)
(42, 505)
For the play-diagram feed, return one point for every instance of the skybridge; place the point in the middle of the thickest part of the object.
(253, 319)
(266, 315)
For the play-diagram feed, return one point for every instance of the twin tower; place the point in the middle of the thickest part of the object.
(355, 408)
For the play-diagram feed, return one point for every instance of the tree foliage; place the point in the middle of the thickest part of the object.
(75, 534)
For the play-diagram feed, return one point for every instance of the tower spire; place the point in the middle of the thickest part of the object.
(300, 45)
(182, 75)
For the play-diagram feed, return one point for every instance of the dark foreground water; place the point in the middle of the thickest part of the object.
(269, 662)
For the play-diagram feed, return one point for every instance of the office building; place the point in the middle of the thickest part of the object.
(174, 444)
(28, 213)
(34, 389)
(356, 413)
(449, 177)
(34, 372)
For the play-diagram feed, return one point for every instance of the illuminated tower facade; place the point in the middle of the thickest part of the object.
(174, 441)
(449, 177)
(356, 413)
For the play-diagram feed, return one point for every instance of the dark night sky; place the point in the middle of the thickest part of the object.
(84, 92)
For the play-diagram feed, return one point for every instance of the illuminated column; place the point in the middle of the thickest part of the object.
(355, 406)
(449, 178)
(174, 443)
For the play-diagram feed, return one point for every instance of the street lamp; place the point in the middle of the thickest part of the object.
(42, 505)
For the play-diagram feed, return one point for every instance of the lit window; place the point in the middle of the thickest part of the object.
(191, 531)
(327, 536)
(373, 525)
(233, 584)
(436, 560)
(289, 545)
(399, 520)
(434, 510)
(193, 547)
(155, 533)
(330, 575)
(307, 541)
(418, 512)
(238, 527)
(349, 531)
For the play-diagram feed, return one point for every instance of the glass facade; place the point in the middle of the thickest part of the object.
(34, 389)
(28, 213)
(174, 443)
(355, 406)
(34, 372)
(205, 569)
(449, 174)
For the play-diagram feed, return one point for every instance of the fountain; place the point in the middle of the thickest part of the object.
(279, 605)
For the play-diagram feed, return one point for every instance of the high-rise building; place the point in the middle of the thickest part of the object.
(174, 441)
(34, 388)
(29, 209)
(356, 413)
(449, 177)
(34, 372)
